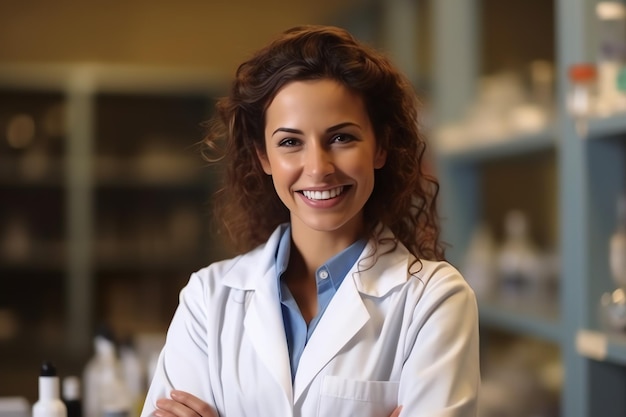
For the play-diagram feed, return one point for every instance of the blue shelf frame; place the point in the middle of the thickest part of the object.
(591, 173)
(601, 127)
(514, 145)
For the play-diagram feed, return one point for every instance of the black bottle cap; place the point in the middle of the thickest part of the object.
(48, 369)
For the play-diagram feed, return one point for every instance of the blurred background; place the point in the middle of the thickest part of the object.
(105, 201)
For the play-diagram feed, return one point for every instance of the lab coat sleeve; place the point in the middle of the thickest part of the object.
(183, 361)
(441, 374)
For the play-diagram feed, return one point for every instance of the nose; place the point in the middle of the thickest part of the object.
(318, 161)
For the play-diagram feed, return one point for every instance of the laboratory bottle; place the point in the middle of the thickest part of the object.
(480, 261)
(49, 403)
(611, 53)
(134, 375)
(72, 397)
(105, 393)
(518, 261)
(581, 96)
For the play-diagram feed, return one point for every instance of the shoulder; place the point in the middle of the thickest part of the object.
(443, 288)
(438, 273)
(440, 277)
(429, 274)
(386, 264)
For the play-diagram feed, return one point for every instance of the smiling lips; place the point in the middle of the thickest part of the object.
(323, 195)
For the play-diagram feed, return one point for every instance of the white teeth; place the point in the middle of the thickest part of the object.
(322, 195)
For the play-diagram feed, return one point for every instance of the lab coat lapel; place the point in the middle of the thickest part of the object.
(264, 326)
(384, 267)
(343, 318)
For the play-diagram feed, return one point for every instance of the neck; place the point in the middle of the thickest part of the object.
(314, 248)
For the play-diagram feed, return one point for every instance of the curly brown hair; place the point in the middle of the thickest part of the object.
(404, 195)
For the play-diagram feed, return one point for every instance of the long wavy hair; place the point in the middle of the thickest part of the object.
(404, 195)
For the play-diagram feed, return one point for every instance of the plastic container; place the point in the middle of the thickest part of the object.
(105, 391)
(611, 53)
(49, 403)
(479, 266)
(134, 376)
(582, 94)
(518, 262)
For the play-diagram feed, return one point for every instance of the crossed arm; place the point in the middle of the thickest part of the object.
(183, 404)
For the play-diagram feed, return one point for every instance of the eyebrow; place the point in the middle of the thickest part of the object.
(330, 129)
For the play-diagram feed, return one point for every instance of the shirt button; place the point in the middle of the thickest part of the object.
(323, 274)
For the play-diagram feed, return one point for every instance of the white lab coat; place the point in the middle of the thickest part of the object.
(387, 338)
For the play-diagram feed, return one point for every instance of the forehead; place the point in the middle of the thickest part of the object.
(315, 98)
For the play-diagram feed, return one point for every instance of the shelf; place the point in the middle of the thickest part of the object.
(167, 171)
(601, 346)
(132, 183)
(31, 171)
(38, 257)
(150, 264)
(607, 126)
(539, 321)
(518, 144)
(588, 174)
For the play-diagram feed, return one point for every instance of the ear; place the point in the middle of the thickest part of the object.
(265, 163)
(380, 158)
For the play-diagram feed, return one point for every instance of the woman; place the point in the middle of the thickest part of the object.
(340, 303)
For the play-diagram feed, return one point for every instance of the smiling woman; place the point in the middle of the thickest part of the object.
(340, 303)
(319, 143)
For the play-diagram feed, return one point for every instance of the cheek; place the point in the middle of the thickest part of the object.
(364, 168)
(282, 166)
(284, 170)
(365, 179)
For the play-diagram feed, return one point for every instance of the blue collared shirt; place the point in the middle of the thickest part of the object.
(328, 277)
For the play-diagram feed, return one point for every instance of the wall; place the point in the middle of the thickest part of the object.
(207, 33)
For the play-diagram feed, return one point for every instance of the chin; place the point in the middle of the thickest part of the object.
(332, 225)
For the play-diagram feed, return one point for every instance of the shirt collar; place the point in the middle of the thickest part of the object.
(337, 267)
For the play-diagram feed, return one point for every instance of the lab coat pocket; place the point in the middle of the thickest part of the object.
(347, 397)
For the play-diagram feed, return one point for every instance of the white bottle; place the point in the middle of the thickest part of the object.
(105, 392)
(617, 246)
(519, 265)
(134, 376)
(49, 403)
(115, 400)
(611, 49)
(480, 262)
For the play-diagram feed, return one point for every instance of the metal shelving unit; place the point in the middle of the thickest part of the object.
(591, 173)
(518, 144)
(77, 273)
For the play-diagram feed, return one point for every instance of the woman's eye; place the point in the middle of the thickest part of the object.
(288, 142)
(342, 138)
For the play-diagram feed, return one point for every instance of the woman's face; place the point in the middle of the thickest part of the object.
(321, 153)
